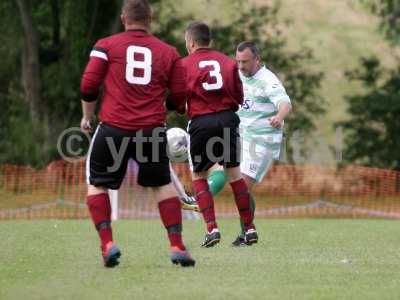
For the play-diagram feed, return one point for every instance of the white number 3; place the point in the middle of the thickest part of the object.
(216, 73)
(132, 64)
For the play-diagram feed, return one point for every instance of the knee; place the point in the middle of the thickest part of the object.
(233, 174)
(199, 175)
(165, 192)
(96, 190)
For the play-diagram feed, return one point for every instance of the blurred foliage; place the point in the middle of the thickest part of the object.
(67, 31)
(372, 132)
(389, 12)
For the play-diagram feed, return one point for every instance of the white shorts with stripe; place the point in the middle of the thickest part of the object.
(257, 159)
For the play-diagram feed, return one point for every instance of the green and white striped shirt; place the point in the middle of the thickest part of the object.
(263, 93)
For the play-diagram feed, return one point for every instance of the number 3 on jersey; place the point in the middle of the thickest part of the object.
(216, 73)
(132, 64)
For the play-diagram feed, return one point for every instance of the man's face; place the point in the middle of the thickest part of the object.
(248, 64)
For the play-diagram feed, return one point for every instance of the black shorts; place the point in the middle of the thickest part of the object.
(214, 138)
(112, 147)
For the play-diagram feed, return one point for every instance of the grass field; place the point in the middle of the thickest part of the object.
(295, 259)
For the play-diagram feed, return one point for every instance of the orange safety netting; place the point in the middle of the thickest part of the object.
(58, 191)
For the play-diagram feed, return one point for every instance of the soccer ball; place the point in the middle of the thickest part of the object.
(177, 144)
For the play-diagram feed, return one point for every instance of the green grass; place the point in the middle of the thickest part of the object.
(295, 259)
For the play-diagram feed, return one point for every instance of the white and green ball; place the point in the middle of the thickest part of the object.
(178, 144)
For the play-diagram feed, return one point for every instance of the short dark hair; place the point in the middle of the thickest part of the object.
(137, 10)
(249, 45)
(199, 32)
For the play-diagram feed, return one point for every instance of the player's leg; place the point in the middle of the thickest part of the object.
(103, 173)
(171, 215)
(216, 181)
(240, 239)
(232, 157)
(99, 207)
(155, 161)
(200, 131)
(187, 202)
(243, 203)
(255, 164)
(205, 202)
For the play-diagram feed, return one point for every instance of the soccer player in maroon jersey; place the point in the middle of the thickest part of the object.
(135, 70)
(215, 92)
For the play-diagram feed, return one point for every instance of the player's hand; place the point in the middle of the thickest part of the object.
(275, 121)
(86, 125)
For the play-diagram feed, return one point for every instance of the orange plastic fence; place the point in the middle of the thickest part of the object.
(58, 191)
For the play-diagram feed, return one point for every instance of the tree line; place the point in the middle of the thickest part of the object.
(45, 46)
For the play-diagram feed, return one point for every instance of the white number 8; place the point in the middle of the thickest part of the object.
(132, 64)
(216, 73)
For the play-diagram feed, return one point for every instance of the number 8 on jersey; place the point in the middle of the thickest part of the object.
(132, 64)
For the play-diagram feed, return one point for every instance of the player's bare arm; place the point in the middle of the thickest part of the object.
(284, 109)
(88, 109)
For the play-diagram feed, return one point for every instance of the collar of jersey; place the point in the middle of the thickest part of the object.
(138, 30)
(203, 49)
(257, 75)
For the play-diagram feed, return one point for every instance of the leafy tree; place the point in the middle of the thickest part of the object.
(46, 46)
(389, 12)
(372, 130)
(42, 95)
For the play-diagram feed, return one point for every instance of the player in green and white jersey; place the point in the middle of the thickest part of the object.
(266, 105)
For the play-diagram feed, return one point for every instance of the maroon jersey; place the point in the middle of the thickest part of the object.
(213, 82)
(135, 69)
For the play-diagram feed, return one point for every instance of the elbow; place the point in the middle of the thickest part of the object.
(289, 107)
(89, 93)
(285, 105)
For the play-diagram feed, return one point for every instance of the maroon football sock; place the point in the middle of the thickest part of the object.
(206, 202)
(171, 216)
(242, 199)
(100, 211)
